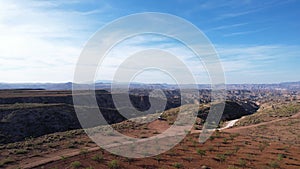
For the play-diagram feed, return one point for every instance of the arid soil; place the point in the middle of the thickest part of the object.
(275, 144)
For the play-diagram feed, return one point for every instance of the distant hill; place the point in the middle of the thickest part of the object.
(107, 85)
(274, 86)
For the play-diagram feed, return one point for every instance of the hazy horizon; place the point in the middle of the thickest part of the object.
(108, 82)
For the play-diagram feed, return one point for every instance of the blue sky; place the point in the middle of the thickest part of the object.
(257, 41)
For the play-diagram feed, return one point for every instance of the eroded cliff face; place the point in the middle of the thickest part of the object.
(29, 115)
(233, 110)
(21, 123)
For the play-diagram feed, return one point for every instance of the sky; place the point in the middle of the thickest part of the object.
(257, 41)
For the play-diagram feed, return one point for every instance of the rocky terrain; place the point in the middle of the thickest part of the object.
(232, 110)
(270, 144)
(32, 113)
(39, 129)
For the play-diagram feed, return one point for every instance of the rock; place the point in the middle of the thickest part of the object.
(233, 110)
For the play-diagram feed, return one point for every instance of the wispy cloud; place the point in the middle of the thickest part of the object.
(257, 63)
(229, 26)
(235, 14)
(241, 63)
(209, 5)
(244, 32)
(248, 7)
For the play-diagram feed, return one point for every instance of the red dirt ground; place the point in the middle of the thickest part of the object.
(273, 144)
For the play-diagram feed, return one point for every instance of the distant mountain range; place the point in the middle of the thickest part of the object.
(107, 85)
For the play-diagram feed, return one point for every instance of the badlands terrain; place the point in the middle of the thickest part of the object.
(39, 129)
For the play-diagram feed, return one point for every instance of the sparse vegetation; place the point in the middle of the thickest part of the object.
(72, 145)
(201, 152)
(83, 152)
(274, 164)
(261, 147)
(221, 157)
(225, 141)
(177, 165)
(98, 158)
(76, 164)
(21, 151)
(5, 161)
(281, 156)
(270, 113)
(242, 163)
(114, 164)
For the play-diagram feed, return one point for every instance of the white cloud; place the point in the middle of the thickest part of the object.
(41, 39)
(258, 63)
(136, 44)
(241, 63)
(229, 26)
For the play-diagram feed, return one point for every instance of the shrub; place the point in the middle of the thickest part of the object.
(281, 156)
(261, 147)
(83, 151)
(224, 140)
(63, 158)
(211, 138)
(221, 157)
(98, 158)
(274, 164)
(177, 165)
(201, 152)
(242, 163)
(114, 164)
(217, 134)
(76, 164)
(21, 151)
